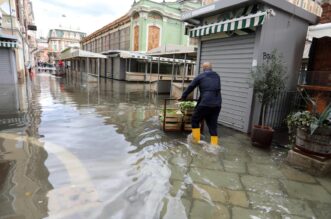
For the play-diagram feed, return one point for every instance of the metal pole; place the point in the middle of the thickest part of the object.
(98, 66)
(129, 65)
(184, 72)
(150, 72)
(158, 74)
(86, 66)
(158, 69)
(172, 73)
(146, 69)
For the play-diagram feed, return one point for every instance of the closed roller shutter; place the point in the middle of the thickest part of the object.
(232, 58)
(4, 62)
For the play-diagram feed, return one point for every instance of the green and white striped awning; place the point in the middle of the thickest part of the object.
(8, 44)
(244, 22)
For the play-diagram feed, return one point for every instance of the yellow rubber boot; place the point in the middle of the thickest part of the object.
(214, 140)
(196, 135)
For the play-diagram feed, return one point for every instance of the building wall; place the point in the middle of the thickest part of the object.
(60, 39)
(143, 15)
(115, 39)
(287, 34)
(326, 16)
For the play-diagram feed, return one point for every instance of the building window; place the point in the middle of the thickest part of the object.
(153, 37)
(155, 16)
(136, 38)
(135, 16)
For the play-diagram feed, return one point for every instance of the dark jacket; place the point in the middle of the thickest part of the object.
(209, 84)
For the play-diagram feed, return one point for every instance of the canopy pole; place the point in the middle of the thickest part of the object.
(172, 73)
(129, 65)
(158, 69)
(158, 75)
(184, 72)
(150, 73)
(146, 69)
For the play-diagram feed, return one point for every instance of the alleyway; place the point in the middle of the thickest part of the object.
(96, 151)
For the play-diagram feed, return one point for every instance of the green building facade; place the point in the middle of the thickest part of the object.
(146, 26)
(159, 24)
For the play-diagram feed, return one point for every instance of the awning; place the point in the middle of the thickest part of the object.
(72, 53)
(8, 44)
(170, 49)
(244, 22)
(140, 56)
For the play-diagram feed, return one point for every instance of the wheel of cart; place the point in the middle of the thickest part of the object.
(175, 119)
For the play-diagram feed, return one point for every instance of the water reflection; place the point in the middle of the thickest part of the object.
(95, 150)
(23, 176)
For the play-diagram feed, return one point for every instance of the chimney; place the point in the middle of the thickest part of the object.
(326, 15)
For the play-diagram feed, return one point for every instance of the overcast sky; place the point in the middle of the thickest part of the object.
(84, 15)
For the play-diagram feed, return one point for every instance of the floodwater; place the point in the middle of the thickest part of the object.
(70, 149)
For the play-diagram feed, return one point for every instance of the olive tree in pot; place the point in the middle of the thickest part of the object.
(268, 83)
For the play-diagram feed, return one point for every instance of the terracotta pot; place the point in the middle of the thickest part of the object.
(262, 136)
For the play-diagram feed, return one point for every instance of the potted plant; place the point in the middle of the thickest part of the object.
(268, 83)
(311, 133)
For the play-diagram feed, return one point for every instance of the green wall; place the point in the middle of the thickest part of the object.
(172, 28)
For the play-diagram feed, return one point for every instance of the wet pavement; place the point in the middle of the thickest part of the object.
(95, 150)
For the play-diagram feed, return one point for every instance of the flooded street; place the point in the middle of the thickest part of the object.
(70, 149)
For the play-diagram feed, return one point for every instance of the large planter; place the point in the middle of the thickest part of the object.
(317, 144)
(262, 136)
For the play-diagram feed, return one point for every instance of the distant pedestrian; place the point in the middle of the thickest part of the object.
(209, 103)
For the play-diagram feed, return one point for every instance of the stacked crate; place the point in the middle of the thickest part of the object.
(172, 121)
(187, 118)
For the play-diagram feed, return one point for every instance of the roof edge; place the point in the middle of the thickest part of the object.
(223, 5)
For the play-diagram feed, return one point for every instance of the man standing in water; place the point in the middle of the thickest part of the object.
(209, 103)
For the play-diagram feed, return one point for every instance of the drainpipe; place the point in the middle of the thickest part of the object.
(11, 18)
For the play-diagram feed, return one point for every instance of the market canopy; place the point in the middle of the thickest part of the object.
(142, 56)
(171, 49)
(72, 53)
(244, 22)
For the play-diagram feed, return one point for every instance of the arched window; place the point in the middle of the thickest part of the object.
(135, 16)
(155, 15)
(136, 38)
(153, 37)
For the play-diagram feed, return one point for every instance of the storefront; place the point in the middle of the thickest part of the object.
(236, 36)
(8, 72)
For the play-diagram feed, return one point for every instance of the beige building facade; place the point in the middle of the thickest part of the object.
(61, 39)
(17, 33)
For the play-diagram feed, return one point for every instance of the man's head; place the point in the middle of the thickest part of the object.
(206, 66)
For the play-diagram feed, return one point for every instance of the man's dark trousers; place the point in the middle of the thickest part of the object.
(210, 114)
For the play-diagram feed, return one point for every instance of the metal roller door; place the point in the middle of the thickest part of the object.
(5, 67)
(232, 58)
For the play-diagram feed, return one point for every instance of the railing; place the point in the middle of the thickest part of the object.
(286, 103)
(318, 78)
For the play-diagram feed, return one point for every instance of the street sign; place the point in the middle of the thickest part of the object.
(32, 27)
